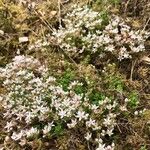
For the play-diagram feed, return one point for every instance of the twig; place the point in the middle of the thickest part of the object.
(146, 24)
(132, 68)
(66, 1)
(88, 145)
(43, 20)
(126, 5)
(59, 12)
(119, 128)
(69, 58)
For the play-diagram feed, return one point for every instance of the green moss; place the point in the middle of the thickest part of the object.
(133, 99)
(116, 83)
(66, 79)
(58, 129)
(95, 97)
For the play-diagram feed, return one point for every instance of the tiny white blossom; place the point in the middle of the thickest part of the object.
(109, 132)
(123, 108)
(48, 128)
(81, 115)
(17, 136)
(101, 147)
(32, 132)
(62, 113)
(99, 140)
(72, 124)
(136, 113)
(88, 136)
(1, 32)
(9, 125)
(107, 121)
(90, 123)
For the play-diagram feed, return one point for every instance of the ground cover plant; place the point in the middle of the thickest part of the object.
(74, 75)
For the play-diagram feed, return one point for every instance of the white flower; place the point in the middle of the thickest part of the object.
(7, 138)
(96, 127)
(101, 147)
(126, 100)
(109, 148)
(32, 132)
(72, 124)
(90, 123)
(1, 32)
(62, 113)
(109, 132)
(22, 142)
(109, 107)
(17, 136)
(19, 116)
(107, 121)
(123, 108)
(9, 125)
(28, 117)
(94, 107)
(81, 115)
(110, 48)
(88, 136)
(48, 128)
(136, 113)
(103, 133)
(99, 140)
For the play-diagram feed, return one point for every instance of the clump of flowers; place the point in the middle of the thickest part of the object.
(86, 31)
(35, 104)
(33, 96)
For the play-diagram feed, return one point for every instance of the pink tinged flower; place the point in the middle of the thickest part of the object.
(62, 113)
(108, 148)
(90, 123)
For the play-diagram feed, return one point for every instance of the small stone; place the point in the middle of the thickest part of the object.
(23, 39)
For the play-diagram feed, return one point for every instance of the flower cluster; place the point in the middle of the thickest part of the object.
(33, 96)
(86, 31)
(35, 103)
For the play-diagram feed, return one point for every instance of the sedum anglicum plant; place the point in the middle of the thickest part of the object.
(88, 32)
(37, 107)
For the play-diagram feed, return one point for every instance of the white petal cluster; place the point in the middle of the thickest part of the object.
(85, 31)
(33, 96)
(35, 103)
